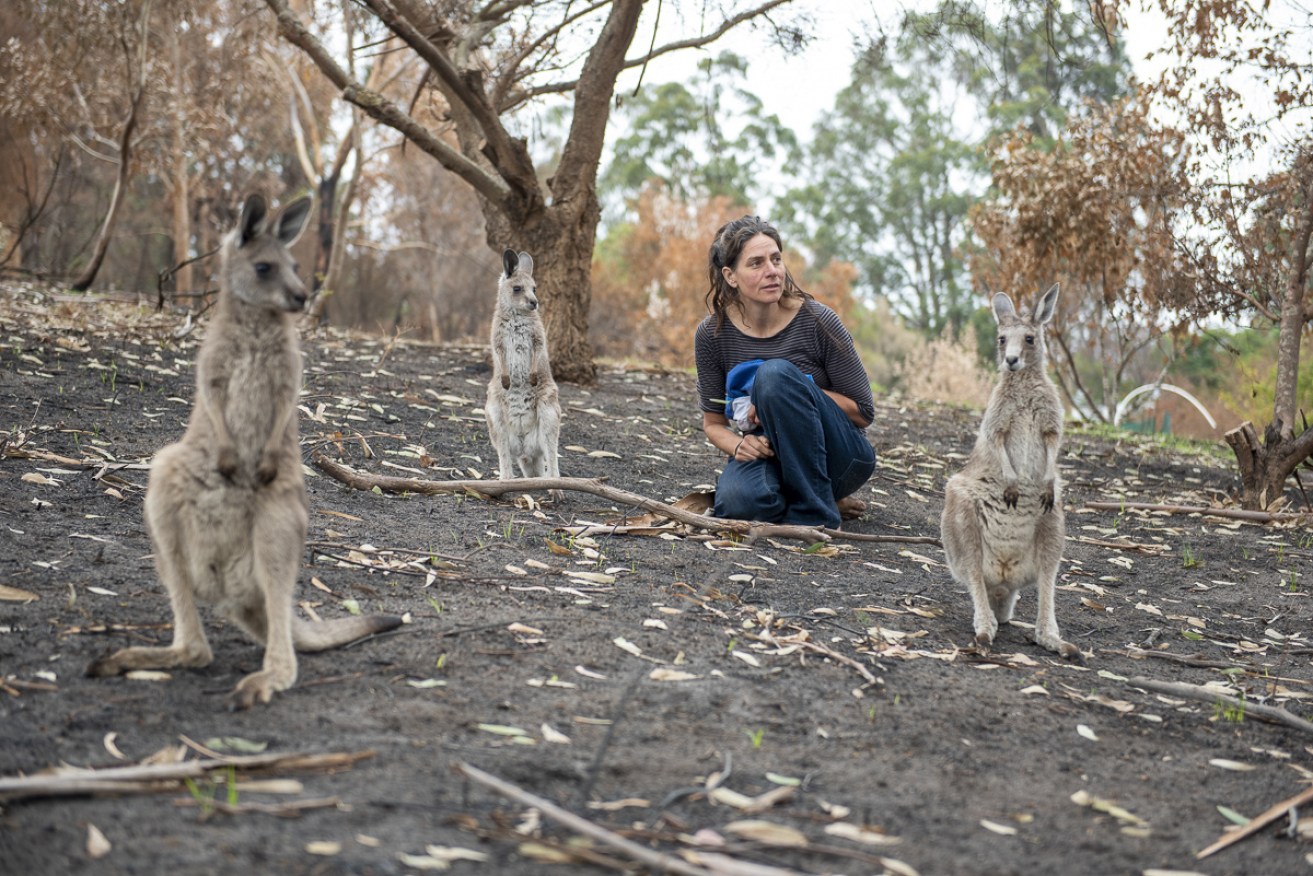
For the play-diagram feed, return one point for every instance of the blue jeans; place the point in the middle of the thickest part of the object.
(820, 456)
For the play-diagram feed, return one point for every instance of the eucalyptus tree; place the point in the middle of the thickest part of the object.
(486, 65)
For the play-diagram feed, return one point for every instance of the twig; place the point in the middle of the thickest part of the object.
(617, 715)
(486, 489)
(1229, 513)
(1183, 659)
(1271, 714)
(290, 809)
(657, 862)
(149, 777)
(1120, 545)
(1257, 824)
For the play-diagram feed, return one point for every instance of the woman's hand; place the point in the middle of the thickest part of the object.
(752, 447)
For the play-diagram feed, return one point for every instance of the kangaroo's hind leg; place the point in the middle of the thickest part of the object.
(1048, 544)
(170, 522)
(547, 437)
(279, 530)
(498, 417)
(964, 547)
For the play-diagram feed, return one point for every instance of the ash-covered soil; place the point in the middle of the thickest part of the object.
(812, 709)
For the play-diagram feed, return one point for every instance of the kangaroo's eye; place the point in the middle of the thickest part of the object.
(1030, 339)
(518, 290)
(263, 268)
(1002, 341)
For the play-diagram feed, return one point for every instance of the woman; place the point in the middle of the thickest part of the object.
(803, 447)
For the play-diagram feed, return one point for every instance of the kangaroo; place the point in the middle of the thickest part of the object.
(226, 506)
(1003, 526)
(523, 410)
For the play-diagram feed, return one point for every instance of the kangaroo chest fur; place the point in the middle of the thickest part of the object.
(526, 376)
(256, 371)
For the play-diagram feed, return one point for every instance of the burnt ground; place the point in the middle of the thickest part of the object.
(619, 695)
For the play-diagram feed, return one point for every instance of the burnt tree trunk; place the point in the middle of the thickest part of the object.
(121, 179)
(1265, 465)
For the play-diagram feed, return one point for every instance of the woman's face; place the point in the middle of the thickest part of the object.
(759, 273)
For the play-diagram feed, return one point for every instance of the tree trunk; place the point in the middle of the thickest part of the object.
(88, 275)
(182, 277)
(1265, 466)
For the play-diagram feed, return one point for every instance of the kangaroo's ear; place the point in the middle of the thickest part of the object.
(291, 220)
(1003, 308)
(252, 218)
(526, 263)
(509, 261)
(1047, 304)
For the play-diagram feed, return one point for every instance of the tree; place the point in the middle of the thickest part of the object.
(681, 136)
(1236, 76)
(891, 183)
(1096, 213)
(897, 163)
(1028, 63)
(485, 62)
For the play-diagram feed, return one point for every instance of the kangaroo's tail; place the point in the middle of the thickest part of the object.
(308, 636)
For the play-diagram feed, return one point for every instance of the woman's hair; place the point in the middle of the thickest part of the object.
(725, 251)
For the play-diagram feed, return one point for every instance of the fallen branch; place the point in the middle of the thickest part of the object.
(1228, 513)
(1257, 824)
(657, 862)
(1196, 660)
(289, 809)
(1271, 714)
(161, 777)
(1119, 545)
(481, 489)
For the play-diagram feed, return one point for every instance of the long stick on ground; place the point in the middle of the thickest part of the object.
(161, 776)
(657, 862)
(1257, 824)
(483, 489)
(1272, 714)
(1229, 513)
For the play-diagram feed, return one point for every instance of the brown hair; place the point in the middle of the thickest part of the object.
(725, 251)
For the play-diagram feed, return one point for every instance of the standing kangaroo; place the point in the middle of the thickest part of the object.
(523, 410)
(226, 506)
(1003, 526)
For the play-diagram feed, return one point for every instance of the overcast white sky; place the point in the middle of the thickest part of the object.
(799, 87)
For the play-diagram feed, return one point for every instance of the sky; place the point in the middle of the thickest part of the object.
(801, 86)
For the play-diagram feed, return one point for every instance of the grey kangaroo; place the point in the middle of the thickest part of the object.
(226, 506)
(1003, 525)
(523, 409)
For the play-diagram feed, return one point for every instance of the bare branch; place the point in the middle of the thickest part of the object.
(383, 110)
(691, 43)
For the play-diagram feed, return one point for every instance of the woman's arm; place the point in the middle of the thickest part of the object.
(849, 408)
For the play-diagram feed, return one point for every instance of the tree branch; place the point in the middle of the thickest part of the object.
(691, 43)
(752, 530)
(513, 164)
(383, 110)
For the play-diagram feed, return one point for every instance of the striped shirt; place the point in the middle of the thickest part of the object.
(815, 340)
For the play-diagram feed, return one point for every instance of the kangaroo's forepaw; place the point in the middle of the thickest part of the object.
(267, 471)
(533, 378)
(1046, 500)
(984, 641)
(226, 462)
(1010, 495)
